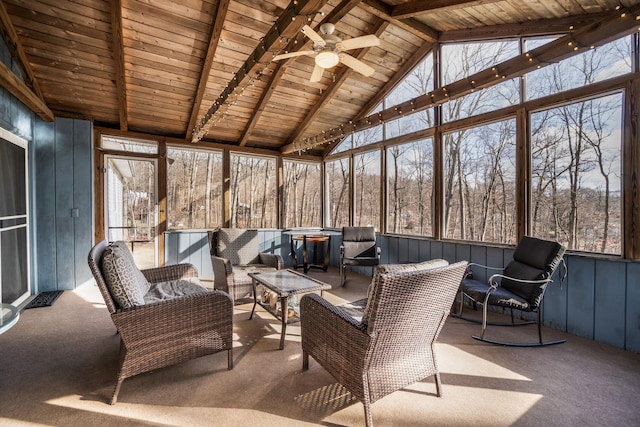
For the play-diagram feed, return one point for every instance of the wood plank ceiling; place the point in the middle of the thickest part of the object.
(170, 68)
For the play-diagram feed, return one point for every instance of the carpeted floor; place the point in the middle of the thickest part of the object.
(57, 368)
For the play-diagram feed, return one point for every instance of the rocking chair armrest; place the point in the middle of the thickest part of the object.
(493, 282)
(469, 272)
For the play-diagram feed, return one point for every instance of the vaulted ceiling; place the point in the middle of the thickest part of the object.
(204, 70)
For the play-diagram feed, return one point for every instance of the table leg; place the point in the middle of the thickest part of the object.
(255, 298)
(284, 309)
(327, 254)
(304, 254)
(294, 259)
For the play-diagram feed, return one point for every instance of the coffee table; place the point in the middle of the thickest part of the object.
(284, 283)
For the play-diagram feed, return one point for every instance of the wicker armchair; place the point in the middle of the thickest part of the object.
(171, 330)
(234, 254)
(393, 345)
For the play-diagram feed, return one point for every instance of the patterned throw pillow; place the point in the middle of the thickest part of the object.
(395, 268)
(126, 282)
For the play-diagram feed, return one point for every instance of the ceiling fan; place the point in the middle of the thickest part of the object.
(329, 49)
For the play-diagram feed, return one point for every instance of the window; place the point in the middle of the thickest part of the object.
(337, 198)
(302, 194)
(367, 189)
(253, 192)
(194, 189)
(410, 184)
(479, 180)
(576, 174)
(605, 62)
(465, 59)
(131, 145)
(416, 83)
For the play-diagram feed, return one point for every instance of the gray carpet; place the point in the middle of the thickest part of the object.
(57, 367)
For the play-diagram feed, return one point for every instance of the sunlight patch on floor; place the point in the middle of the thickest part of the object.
(453, 360)
(161, 415)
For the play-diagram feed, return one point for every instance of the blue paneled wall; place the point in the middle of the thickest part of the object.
(598, 301)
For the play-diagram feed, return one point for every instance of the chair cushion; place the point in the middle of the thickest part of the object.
(238, 245)
(358, 242)
(395, 268)
(533, 259)
(126, 282)
(477, 290)
(162, 291)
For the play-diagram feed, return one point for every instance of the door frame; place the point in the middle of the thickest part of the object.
(99, 187)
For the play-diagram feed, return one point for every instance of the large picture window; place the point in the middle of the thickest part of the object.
(576, 174)
(194, 189)
(302, 194)
(337, 198)
(253, 192)
(479, 181)
(367, 189)
(409, 188)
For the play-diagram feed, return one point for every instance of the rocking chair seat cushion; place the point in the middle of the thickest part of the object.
(126, 282)
(477, 290)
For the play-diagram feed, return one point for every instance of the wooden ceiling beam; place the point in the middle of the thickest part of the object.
(290, 22)
(417, 8)
(593, 35)
(542, 27)
(118, 59)
(336, 15)
(262, 103)
(413, 26)
(216, 30)
(17, 88)
(12, 41)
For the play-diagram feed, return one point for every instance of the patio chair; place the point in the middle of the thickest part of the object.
(358, 249)
(393, 345)
(520, 285)
(162, 315)
(234, 254)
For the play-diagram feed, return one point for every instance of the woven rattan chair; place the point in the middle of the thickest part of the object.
(393, 345)
(170, 331)
(234, 254)
(520, 285)
(358, 249)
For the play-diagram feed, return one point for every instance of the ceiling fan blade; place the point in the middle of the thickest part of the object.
(356, 64)
(358, 42)
(316, 75)
(292, 54)
(315, 37)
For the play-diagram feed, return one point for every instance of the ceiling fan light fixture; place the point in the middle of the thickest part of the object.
(327, 59)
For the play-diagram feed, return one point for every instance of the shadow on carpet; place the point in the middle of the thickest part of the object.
(44, 299)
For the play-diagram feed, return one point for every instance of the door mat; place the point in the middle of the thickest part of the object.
(44, 299)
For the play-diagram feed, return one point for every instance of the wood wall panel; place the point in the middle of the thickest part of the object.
(632, 308)
(610, 293)
(64, 229)
(82, 198)
(44, 246)
(580, 297)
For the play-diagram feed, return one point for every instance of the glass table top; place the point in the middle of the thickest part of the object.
(289, 282)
